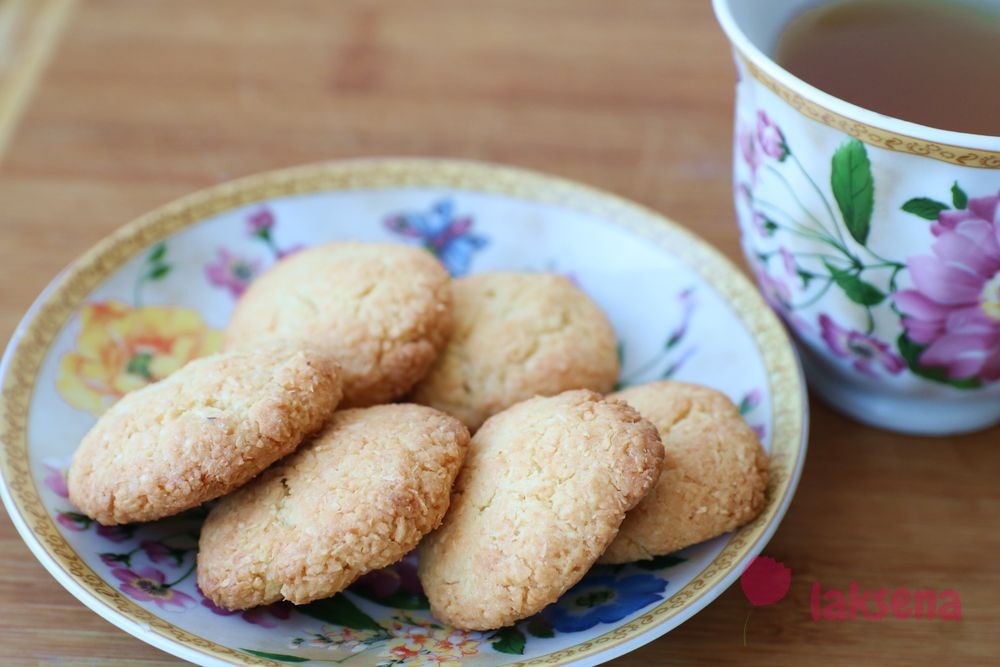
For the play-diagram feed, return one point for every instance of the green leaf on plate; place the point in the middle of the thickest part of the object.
(158, 272)
(856, 289)
(854, 188)
(539, 627)
(508, 640)
(158, 251)
(928, 209)
(660, 562)
(399, 600)
(280, 657)
(958, 197)
(338, 610)
(911, 352)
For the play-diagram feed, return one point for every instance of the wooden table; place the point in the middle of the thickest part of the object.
(145, 101)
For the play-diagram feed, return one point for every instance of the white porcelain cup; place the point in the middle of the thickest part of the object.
(877, 240)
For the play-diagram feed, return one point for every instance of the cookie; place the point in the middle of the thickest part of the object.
(206, 429)
(382, 310)
(517, 336)
(356, 498)
(542, 493)
(714, 472)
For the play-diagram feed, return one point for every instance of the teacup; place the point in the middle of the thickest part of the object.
(877, 240)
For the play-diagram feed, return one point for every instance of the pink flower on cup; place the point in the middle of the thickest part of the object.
(954, 310)
(150, 585)
(770, 138)
(788, 261)
(232, 272)
(748, 149)
(776, 293)
(863, 351)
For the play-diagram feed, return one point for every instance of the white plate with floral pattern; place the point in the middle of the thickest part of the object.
(156, 293)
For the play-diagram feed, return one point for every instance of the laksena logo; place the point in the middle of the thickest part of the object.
(766, 581)
(874, 605)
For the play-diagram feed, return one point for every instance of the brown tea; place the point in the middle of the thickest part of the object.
(936, 63)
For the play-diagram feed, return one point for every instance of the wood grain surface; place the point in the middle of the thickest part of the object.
(146, 101)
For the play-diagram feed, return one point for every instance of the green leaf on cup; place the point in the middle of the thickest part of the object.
(856, 289)
(508, 640)
(925, 208)
(854, 188)
(958, 197)
(911, 352)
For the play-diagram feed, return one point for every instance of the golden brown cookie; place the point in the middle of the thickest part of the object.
(542, 493)
(356, 498)
(382, 310)
(205, 430)
(714, 473)
(518, 336)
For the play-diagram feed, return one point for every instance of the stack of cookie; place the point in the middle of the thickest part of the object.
(323, 477)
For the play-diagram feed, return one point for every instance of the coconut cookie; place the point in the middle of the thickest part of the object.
(542, 493)
(205, 430)
(383, 311)
(714, 472)
(517, 336)
(356, 498)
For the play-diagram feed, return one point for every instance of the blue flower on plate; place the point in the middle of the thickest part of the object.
(603, 598)
(447, 236)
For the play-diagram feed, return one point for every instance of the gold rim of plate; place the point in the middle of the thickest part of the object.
(869, 134)
(58, 304)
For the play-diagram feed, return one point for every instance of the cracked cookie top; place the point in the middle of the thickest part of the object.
(541, 495)
(382, 310)
(203, 431)
(356, 498)
(517, 336)
(714, 472)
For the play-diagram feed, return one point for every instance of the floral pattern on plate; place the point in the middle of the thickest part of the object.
(166, 307)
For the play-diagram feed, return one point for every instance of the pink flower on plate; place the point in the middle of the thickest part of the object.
(55, 479)
(954, 310)
(267, 616)
(287, 252)
(116, 534)
(160, 553)
(74, 521)
(260, 222)
(770, 137)
(232, 272)
(865, 352)
(149, 585)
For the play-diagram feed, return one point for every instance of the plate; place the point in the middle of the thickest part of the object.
(157, 292)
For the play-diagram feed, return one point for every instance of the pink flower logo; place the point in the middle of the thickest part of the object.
(764, 582)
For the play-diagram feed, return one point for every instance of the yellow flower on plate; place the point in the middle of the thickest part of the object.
(417, 645)
(122, 348)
